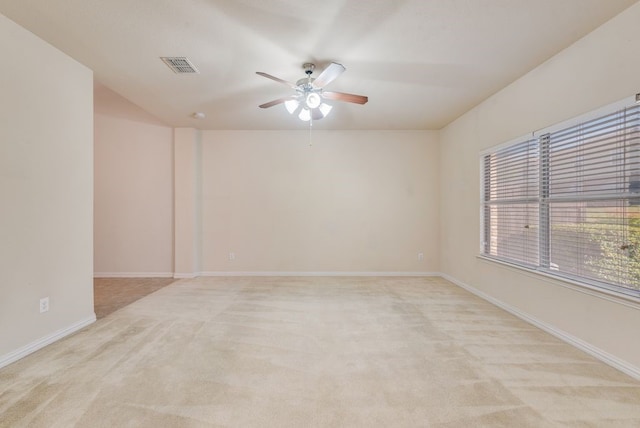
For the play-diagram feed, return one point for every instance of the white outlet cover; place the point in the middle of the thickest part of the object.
(44, 304)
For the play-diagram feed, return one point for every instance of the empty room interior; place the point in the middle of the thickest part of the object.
(384, 213)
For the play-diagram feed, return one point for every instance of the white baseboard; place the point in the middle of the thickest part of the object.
(190, 275)
(598, 353)
(32, 347)
(185, 275)
(133, 275)
(271, 273)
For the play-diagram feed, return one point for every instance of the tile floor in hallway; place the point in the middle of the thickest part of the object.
(111, 294)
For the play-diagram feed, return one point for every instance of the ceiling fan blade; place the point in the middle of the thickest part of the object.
(276, 102)
(341, 96)
(329, 74)
(277, 79)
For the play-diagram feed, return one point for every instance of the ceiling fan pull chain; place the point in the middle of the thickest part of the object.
(310, 125)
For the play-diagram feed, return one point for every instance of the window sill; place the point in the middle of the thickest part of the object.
(585, 288)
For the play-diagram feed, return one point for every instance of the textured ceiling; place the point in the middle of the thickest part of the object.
(422, 63)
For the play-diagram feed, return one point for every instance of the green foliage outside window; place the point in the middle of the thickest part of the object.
(616, 257)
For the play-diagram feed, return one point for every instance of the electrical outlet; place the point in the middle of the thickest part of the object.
(420, 257)
(44, 304)
(232, 256)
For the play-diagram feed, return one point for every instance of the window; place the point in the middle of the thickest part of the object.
(567, 201)
(511, 188)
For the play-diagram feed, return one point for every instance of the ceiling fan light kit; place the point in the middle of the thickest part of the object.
(308, 101)
(313, 100)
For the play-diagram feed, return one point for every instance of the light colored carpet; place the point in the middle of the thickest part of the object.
(314, 352)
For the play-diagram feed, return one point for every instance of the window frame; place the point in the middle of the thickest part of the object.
(544, 264)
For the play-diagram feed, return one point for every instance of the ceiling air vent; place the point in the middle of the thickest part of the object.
(179, 64)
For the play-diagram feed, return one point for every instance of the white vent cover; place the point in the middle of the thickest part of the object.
(179, 64)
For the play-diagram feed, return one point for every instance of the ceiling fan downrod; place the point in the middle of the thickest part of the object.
(308, 68)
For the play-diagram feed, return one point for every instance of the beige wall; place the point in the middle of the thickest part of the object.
(133, 190)
(46, 189)
(353, 202)
(356, 201)
(598, 70)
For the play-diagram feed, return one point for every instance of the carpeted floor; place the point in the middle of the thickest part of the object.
(314, 352)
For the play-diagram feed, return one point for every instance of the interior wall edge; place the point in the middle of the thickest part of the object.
(590, 349)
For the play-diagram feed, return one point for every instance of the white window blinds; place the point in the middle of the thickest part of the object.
(510, 198)
(568, 202)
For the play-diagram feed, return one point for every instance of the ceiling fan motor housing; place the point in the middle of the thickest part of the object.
(308, 67)
(304, 84)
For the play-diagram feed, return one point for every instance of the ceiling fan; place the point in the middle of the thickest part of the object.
(308, 100)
